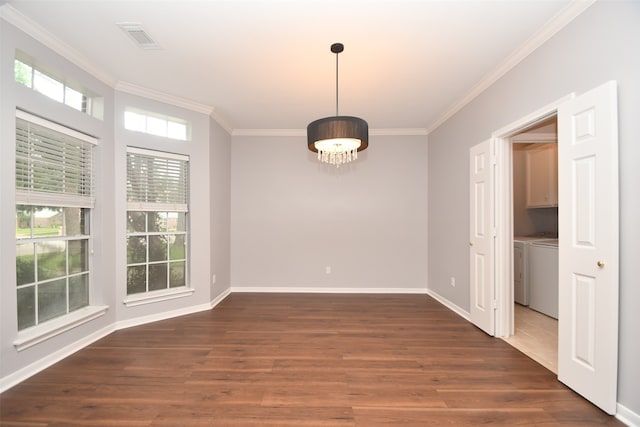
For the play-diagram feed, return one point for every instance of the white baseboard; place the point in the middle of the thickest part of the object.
(39, 365)
(156, 317)
(322, 290)
(217, 300)
(173, 313)
(627, 416)
(451, 306)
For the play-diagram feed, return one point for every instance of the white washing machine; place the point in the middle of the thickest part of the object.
(542, 276)
(520, 285)
(521, 281)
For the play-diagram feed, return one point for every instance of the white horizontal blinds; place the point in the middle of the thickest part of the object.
(157, 181)
(54, 165)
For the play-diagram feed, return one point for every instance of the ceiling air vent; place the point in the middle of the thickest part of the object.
(138, 35)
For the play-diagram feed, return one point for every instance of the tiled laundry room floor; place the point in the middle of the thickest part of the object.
(536, 335)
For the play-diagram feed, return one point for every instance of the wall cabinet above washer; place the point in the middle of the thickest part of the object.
(542, 176)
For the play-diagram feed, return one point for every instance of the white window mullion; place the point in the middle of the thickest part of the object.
(66, 262)
(36, 276)
(146, 267)
(156, 207)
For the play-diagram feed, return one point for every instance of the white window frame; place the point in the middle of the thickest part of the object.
(42, 331)
(137, 205)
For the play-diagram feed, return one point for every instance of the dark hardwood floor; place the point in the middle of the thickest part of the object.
(300, 360)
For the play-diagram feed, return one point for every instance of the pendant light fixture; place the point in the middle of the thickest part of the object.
(338, 139)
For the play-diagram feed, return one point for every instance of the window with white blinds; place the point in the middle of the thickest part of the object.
(54, 200)
(157, 221)
(54, 164)
(157, 181)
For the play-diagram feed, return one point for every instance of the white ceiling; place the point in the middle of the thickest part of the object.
(267, 64)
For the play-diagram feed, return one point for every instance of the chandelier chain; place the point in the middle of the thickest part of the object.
(337, 113)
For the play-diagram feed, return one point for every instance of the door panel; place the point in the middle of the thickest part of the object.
(480, 282)
(588, 253)
(584, 191)
(481, 236)
(584, 321)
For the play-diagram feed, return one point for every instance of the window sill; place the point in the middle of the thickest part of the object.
(157, 296)
(37, 334)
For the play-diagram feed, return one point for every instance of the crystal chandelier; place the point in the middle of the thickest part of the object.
(337, 139)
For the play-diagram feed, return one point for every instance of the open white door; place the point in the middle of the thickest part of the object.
(481, 236)
(588, 232)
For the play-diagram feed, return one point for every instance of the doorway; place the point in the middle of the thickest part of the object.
(504, 208)
(534, 185)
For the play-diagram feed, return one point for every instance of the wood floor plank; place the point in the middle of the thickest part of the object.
(300, 360)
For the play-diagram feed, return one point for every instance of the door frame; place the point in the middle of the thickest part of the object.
(504, 297)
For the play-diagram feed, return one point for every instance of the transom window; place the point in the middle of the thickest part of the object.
(156, 124)
(46, 84)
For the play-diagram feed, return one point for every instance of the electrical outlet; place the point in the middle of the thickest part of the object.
(327, 269)
(453, 281)
(213, 279)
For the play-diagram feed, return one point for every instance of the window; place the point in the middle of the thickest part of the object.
(155, 124)
(157, 189)
(54, 198)
(53, 88)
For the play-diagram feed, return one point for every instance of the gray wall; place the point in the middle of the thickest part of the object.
(14, 95)
(293, 216)
(601, 44)
(209, 150)
(220, 181)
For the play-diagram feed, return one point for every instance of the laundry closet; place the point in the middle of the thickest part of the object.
(535, 217)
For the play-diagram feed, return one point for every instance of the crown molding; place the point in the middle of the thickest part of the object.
(399, 132)
(303, 132)
(555, 24)
(39, 33)
(269, 132)
(223, 122)
(177, 101)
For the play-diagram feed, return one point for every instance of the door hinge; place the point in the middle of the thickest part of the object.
(494, 305)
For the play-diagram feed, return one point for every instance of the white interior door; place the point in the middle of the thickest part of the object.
(481, 236)
(588, 253)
